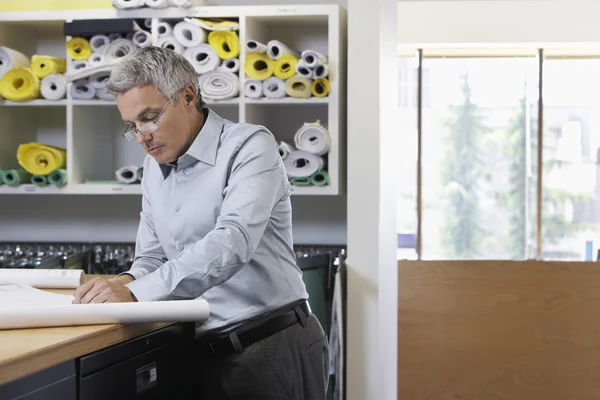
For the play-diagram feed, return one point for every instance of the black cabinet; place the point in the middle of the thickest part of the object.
(57, 382)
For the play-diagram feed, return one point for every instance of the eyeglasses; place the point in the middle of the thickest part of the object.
(132, 133)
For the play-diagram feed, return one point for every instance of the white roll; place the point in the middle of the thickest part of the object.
(114, 36)
(181, 3)
(125, 4)
(285, 149)
(276, 49)
(231, 65)
(118, 49)
(164, 29)
(219, 85)
(312, 137)
(274, 88)
(99, 42)
(301, 164)
(254, 46)
(53, 87)
(313, 58)
(148, 23)
(79, 65)
(304, 71)
(127, 174)
(189, 35)
(82, 90)
(157, 3)
(203, 57)
(96, 59)
(142, 39)
(169, 42)
(104, 94)
(321, 71)
(99, 79)
(253, 88)
(10, 59)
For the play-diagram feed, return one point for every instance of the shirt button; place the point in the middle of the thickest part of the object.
(176, 208)
(182, 172)
(180, 248)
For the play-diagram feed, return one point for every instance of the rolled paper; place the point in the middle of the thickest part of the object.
(259, 66)
(20, 84)
(320, 178)
(41, 159)
(39, 180)
(58, 177)
(42, 66)
(226, 43)
(13, 177)
(285, 66)
(320, 88)
(79, 48)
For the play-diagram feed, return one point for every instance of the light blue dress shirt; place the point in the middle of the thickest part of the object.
(218, 226)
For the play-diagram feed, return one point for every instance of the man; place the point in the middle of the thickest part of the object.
(216, 223)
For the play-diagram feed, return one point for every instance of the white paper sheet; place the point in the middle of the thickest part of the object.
(43, 278)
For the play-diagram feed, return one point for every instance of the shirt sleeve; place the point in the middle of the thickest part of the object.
(256, 184)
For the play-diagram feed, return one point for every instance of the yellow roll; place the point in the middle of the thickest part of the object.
(320, 87)
(79, 48)
(43, 66)
(259, 66)
(298, 86)
(226, 43)
(285, 66)
(20, 84)
(41, 159)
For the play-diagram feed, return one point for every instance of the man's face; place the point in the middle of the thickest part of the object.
(141, 105)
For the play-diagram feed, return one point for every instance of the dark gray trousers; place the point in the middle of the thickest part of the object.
(291, 364)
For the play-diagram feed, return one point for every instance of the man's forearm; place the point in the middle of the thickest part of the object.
(123, 279)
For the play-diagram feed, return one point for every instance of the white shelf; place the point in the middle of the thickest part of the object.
(33, 103)
(288, 100)
(95, 102)
(313, 190)
(32, 189)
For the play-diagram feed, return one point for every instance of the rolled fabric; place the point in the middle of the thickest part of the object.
(127, 174)
(169, 42)
(253, 88)
(202, 57)
(285, 149)
(302, 164)
(10, 59)
(20, 84)
(14, 177)
(322, 71)
(99, 42)
(219, 85)
(274, 88)
(96, 59)
(320, 87)
(118, 49)
(312, 137)
(53, 87)
(164, 29)
(298, 87)
(320, 178)
(148, 23)
(79, 48)
(142, 38)
(104, 94)
(125, 4)
(189, 35)
(254, 46)
(58, 177)
(43, 66)
(40, 159)
(301, 181)
(276, 49)
(39, 180)
(114, 36)
(82, 90)
(259, 66)
(231, 65)
(285, 66)
(80, 65)
(157, 3)
(313, 58)
(99, 79)
(226, 43)
(304, 71)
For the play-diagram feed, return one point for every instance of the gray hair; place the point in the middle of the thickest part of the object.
(163, 68)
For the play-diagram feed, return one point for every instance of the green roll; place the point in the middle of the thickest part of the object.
(300, 181)
(58, 177)
(39, 180)
(320, 178)
(15, 177)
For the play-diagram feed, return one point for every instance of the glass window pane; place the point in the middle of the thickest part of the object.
(479, 158)
(571, 173)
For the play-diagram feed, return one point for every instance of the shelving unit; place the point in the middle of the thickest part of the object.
(91, 130)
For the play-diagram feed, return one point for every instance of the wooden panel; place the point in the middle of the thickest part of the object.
(498, 330)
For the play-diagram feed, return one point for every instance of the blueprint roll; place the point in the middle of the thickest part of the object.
(274, 88)
(157, 3)
(127, 4)
(322, 71)
(259, 66)
(82, 90)
(313, 59)
(10, 59)
(219, 85)
(104, 94)
(118, 49)
(304, 71)
(96, 59)
(53, 87)
(232, 65)
(79, 65)
(202, 57)
(164, 29)
(313, 138)
(298, 87)
(276, 49)
(285, 149)
(254, 46)
(99, 79)
(189, 35)
(127, 174)
(99, 42)
(253, 88)
(299, 164)
(169, 42)
(142, 39)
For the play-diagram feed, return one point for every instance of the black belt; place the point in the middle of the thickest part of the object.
(243, 337)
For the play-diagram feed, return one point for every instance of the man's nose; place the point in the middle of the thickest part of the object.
(140, 137)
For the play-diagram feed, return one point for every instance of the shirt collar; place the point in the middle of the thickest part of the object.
(204, 148)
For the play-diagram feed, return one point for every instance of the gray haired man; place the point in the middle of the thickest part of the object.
(216, 223)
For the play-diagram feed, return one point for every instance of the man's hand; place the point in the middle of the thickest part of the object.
(100, 290)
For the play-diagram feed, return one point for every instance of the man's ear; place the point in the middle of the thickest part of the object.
(190, 96)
